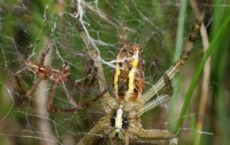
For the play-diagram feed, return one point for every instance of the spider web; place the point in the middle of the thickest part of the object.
(30, 27)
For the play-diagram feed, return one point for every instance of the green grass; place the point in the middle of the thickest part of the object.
(197, 75)
(161, 28)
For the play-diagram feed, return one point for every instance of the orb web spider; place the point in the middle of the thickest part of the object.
(59, 77)
(126, 104)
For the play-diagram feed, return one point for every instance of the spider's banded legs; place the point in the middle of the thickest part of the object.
(153, 103)
(159, 99)
(155, 134)
(185, 54)
(33, 87)
(76, 106)
(168, 85)
(37, 81)
(22, 91)
(94, 132)
(42, 59)
(152, 134)
(61, 77)
(173, 70)
(20, 88)
(93, 52)
(50, 106)
(94, 99)
(85, 85)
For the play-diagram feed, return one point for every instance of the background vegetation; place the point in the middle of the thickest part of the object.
(199, 109)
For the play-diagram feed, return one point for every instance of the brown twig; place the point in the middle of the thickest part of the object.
(206, 74)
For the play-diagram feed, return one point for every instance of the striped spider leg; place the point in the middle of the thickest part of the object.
(85, 85)
(43, 72)
(59, 77)
(125, 106)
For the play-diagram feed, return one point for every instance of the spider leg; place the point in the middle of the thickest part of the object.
(85, 86)
(33, 87)
(37, 81)
(93, 52)
(173, 70)
(155, 134)
(69, 98)
(173, 141)
(168, 85)
(126, 140)
(91, 136)
(42, 58)
(117, 141)
(50, 107)
(20, 88)
(153, 103)
(152, 134)
(94, 99)
(159, 99)
(63, 77)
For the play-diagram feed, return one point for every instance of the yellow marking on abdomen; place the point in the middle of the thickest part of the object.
(132, 75)
(128, 78)
(115, 80)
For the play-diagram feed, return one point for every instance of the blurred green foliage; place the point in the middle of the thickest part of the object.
(160, 27)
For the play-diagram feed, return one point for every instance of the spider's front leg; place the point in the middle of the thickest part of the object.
(60, 78)
(168, 85)
(159, 99)
(174, 69)
(21, 89)
(93, 134)
(154, 134)
(37, 69)
(63, 76)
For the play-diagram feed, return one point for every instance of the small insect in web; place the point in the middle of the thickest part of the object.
(125, 106)
(58, 77)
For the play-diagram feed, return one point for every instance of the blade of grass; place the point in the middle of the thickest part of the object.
(199, 71)
(220, 62)
(178, 50)
(180, 29)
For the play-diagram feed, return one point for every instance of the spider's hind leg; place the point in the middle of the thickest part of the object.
(43, 55)
(155, 135)
(168, 85)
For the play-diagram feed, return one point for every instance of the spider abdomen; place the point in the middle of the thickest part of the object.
(128, 77)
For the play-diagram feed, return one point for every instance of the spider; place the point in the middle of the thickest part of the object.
(127, 103)
(58, 77)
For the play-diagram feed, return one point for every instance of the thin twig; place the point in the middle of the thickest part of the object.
(206, 75)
